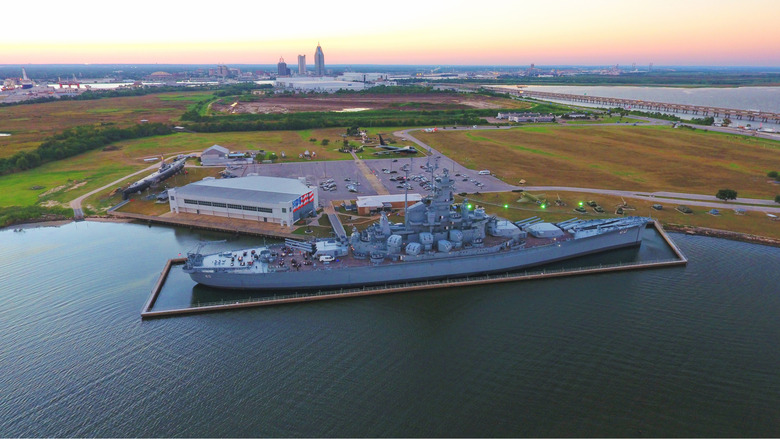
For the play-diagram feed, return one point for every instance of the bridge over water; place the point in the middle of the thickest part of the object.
(731, 113)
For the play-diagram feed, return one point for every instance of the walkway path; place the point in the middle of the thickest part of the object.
(372, 180)
(78, 214)
(335, 221)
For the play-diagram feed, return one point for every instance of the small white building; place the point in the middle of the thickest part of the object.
(366, 204)
(215, 155)
(266, 199)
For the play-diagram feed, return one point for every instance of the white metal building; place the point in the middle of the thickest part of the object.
(267, 199)
(217, 155)
(366, 204)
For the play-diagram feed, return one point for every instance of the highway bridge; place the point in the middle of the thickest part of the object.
(731, 113)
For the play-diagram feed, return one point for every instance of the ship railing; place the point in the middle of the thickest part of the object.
(433, 283)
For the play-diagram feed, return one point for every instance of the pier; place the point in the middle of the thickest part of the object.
(148, 313)
(731, 113)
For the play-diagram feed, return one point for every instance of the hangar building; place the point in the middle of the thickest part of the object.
(267, 199)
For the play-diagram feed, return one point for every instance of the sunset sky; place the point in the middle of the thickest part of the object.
(518, 32)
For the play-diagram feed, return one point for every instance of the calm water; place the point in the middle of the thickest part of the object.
(742, 98)
(669, 352)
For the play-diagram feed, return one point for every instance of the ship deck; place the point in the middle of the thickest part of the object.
(286, 256)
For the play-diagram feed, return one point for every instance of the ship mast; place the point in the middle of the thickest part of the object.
(406, 169)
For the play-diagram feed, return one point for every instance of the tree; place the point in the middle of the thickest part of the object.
(772, 174)
(325, 142)
(777, 199)
(726, 122)
(726, 194)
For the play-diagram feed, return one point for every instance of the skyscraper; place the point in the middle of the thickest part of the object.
(301, 64)
(319, 61)
(282, 69)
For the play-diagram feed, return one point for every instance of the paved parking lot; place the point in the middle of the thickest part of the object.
(418, 167)
(316, 172)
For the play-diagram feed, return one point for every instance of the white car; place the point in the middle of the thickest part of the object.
(484, 172)
(327, 258)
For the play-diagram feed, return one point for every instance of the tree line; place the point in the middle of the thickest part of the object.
(76, 140)
(301, 121)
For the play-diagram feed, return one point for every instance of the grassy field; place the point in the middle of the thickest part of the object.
(30, 124)
(62, 181)
(615, 157)
(103, 200)
(755, 223)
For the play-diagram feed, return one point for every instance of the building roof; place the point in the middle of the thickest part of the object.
(377, 200)
(253, 188)
(216, 148)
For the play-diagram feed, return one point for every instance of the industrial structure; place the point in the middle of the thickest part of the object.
(267, 199)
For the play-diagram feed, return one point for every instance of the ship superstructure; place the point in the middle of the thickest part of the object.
(438, 239)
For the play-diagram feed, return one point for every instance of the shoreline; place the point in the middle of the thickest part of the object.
(61, 222)
(723, 234)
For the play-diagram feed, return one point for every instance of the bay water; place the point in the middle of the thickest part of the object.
(686, 351)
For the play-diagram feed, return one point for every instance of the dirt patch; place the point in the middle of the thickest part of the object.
(401, 102)
(52, 190)
(52, 203)
(76, 186)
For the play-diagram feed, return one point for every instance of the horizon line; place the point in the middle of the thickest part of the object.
(624, 65)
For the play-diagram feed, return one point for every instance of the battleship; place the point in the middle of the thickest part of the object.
(437, 240)
(165, 171)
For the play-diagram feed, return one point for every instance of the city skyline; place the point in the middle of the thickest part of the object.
(569, 32)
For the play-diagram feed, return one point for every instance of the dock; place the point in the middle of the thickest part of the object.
(148, 313)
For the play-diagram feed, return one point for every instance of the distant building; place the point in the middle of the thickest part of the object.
(321, 85)
(526, 117)
(301, 64)
(319, 62)
(281, 68)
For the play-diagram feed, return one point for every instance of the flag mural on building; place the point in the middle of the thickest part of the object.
(302, 201)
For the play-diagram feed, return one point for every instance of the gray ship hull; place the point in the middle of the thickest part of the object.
(383, 273)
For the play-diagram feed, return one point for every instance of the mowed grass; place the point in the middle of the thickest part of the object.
(97, 168)
(68, 180)
(32, 124)
(289, 142)
(614, 157)
(101, 201)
